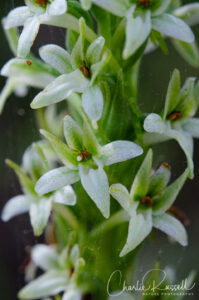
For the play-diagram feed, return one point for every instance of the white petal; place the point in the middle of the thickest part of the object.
(189, 13)
(116, 7)
(92, 101)
(94, 50)
(56, 57)
(137, 30)
(192, 127)
(65, 196)
(27, 37)
(72, 294)
(39, 214)
(139, 227)
(73, 133)
(154, 123)
(119, 151)
(17, 17)
(172, 227)
(56, 179)
(45, 257)
(57, 7)
(121, 194)
(173, 27)
(14, 207)
(163, 5)
(95, 183)
(6, 92)
(51, 283)
(60, 89)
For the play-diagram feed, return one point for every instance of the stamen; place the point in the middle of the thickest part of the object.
(29, 62)
(145, 3)
(147, 200)
(175, 116)
(85, 70)
(166, 165)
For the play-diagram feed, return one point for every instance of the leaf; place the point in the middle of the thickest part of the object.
(39, 214)
(140, 184)
(119, 151)
(153, 123)
(160, 7)
(139, 228)
(92, 101)
(60, 89)
(73, 133)
(94, 50)
(137, 30)
(17, 17)
(27, 37)
(45, 257)
(95, 183)
(14, 207)
(115, 7)
(172, 227)
(173, 27)
(56, 179)
(65, 196)
(173, 91)
(170, 194)
(57, 58)
(51, 283)
(121, 194)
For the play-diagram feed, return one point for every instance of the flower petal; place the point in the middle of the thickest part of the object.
(92, 101)
(139, 227)
(189, 13)
(39, 214)
(56, 57)
(60, 89)
(27, 37)
(121, 194)
(6, 92)
(94, 50)
(137, 30)
(65, 196)
(57, 7)
(170, 194)
(115, 7)
(72, 294)
(173, 27)
(95, 183)
(73, 133)
(45, 257)
(17, 17)
(154, 124)
(51, 283)
(172, 227)
(14, 207)
(119, 151)
(189, 51)
(159, 180)
(162, 6)
(56, 179)
(192, 127)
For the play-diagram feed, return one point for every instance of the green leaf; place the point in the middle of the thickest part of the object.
(71, 40)
(115, 7)
(172, 227)
(65, 154)
(141, 182)
(170, 194)
(173, 91)
(73, 133)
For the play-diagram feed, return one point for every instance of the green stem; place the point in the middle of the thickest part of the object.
(116, 219)
(67, 214)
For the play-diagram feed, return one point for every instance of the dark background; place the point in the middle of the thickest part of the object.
(18, 130)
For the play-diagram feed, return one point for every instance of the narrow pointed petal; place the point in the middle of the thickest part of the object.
(72, 294)
(65, 196)
(86, 4)
(17, 17)
(173, 27)
(57, 7)
(39, 214)
(6, 92)
(139, 228)
(121, 194)
(45, 257)
(14, 207)
(115, 7)
(92, 101)
(154, 124)
(170, 194)
(95, 183)
(189, 51)
(162, 7)
(140, 184)
(60, 89)
(94, 50)
(172, 227)
(73, 133)
(27, 37)
(159, 180)
(51, 283)
(56, 179)
(192, 127)
(89, 139)
(57, 58)
(189, 13)
(119, 151)
(137, 30)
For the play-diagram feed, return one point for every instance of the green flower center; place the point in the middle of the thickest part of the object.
(175, 115)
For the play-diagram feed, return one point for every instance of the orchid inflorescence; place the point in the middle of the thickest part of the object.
(100, 145)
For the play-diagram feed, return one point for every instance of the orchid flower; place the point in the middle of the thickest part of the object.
(84, 160)
(148, 202)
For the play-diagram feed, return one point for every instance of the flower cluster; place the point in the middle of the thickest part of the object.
(96, 143)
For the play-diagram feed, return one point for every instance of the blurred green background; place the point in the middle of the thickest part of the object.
(18, 130)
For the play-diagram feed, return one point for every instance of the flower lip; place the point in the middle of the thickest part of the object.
(175, 115)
